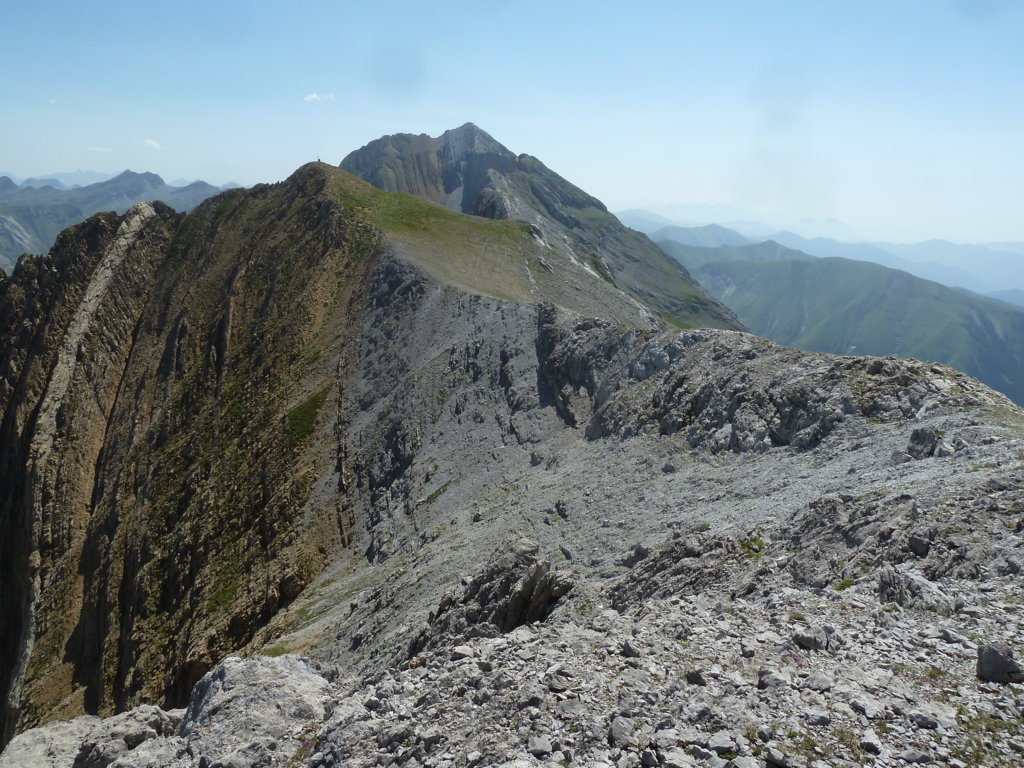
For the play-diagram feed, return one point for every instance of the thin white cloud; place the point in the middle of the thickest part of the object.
(150, 143)
(51, 101)
(100, 149)
(318, 97)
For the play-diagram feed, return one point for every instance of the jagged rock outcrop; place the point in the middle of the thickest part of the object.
(516, 589)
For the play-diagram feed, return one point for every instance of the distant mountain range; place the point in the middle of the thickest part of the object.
(982, 268)
(61, 179)
(1011, 296)
(34, 212)
(846, 306)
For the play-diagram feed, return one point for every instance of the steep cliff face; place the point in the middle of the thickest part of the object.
(466, 170)
(164, 383)
(67, 326)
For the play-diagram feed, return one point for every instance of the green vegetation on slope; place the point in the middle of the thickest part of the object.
(846, 307)
(496, 257)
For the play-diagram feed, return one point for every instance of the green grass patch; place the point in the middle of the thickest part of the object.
(302, 418)
(752, 547)
(437, 493)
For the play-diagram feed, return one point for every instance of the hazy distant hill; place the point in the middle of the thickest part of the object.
(846, 307)
(876, 253)
(695, 256)
(982, 268)
(44, 181)
(695, 217)
(72, 178)
(644, 221)
(992, 269)
(1010, 296)
(708, 236)
(31, 217)
(1017, 248)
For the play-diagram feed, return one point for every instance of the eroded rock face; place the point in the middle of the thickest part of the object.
(163, 389)
(517, 589)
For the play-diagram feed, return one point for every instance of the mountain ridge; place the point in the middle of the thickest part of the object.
(468, 170)
(840, 306)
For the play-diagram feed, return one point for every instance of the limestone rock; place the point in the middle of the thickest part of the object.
(996, 663)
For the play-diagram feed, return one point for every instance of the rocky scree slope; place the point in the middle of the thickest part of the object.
(467, 170)
(737, 554)
(697, 507)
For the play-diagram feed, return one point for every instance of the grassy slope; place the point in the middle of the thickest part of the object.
(490, 176)
(496, 257)
(842, 306)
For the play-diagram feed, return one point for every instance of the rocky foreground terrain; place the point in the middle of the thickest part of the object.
(320, 475)
(652, 597)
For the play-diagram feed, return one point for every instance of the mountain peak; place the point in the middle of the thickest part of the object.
(469, 138)
(467, 170)
(129, 175)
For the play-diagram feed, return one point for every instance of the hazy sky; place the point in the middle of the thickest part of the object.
(904, 119)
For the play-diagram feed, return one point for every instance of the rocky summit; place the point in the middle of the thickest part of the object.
(323, 474)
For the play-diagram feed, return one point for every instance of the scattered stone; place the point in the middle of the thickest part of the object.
(677, 758)
(870, 708)
(919, 545)
(696, 677)
(922, 443)
(772, 678)
(818, 681)
(462, 652)
(923, 720)
(817, 717)
(622, 733)
(538, 746)
(629, 650)
(915, 755)
(996, 664)
(722, 742)
(870, 742)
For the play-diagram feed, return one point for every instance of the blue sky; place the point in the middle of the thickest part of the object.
(903, 119)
